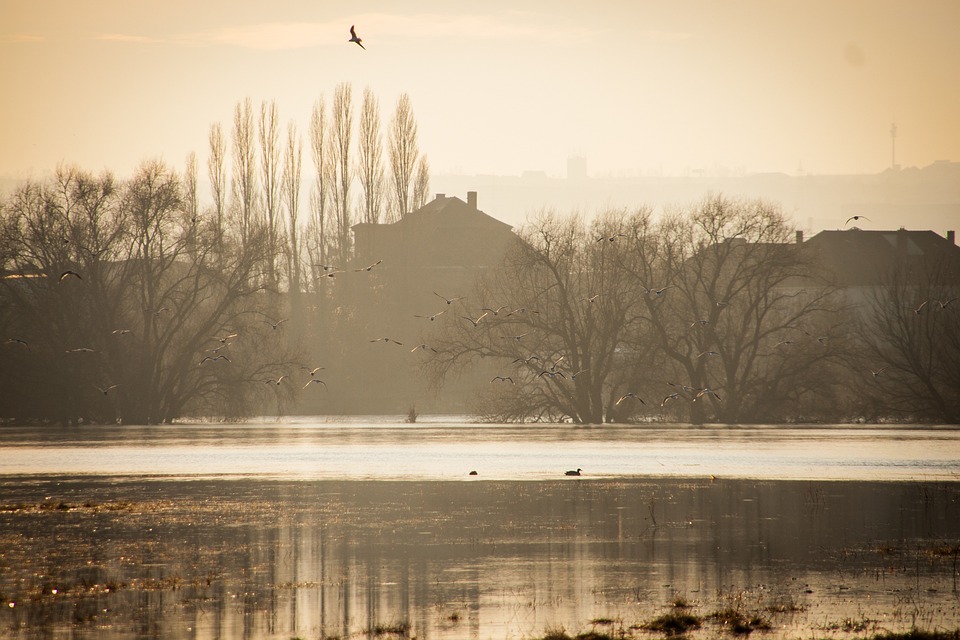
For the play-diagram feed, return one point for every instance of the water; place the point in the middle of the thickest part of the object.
(316, 529)
(443, 450)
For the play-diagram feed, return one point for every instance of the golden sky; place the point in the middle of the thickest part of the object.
(497, 87)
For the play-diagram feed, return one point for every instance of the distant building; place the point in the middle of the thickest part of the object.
(861, 261)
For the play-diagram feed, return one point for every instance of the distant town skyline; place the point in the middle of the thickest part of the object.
(636, 88)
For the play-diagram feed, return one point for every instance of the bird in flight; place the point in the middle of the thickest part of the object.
(920, 308)
(275, 324)
(276, 382)
(104, 391)
(672, 396)
(223, 339)
(707, 391)
(67, 274)
(433, 317)
(630, 395)
(855, 219)
(19, 341)
(878, 371)
(477, 321)
(708, 353)
(424, 347)
(355, 38)
(120, 332)
(215, 358)
(387, 340)
(494, 311)
(943, 303)
(502, 379)
(318, 381)
(313, 371)
(369, 267)
(446, 299)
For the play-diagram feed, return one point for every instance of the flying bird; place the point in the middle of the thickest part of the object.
(672, 396)
(502, 379)
(708, 353)
(878, 371)
(275, 324)
(368, 268)
(551, 374)
(69, 273)
(433, 317)
(120, 332)
(446, 299)
(707, 391)
(494, 311)
(355, 38)
(80, 350)
(943, 303)
(318, 381)
(387, 340)
(630, 395)
(105, 391)
(276, 382)
(423, 346)
(313, 371)
(920, 308)
(215, 358)
(223, 339)
(477, 321)
(19, 341)
(855, 219)
(518, 338)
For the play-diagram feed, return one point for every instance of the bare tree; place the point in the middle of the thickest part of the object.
(341, 134)
(292, 163)
(317, 241)
(244, 169)
(734, 309)
(270, 151)
(556, 320)
(216, 171)
(370, 159)
(120, 303)
(911, 333)
(403, 157)
(421, 189)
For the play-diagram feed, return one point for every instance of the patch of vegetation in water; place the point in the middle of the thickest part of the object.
(673, 624)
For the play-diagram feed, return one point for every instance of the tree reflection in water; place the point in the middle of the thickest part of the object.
(276, 559)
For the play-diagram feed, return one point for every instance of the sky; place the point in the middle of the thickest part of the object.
(497, 87)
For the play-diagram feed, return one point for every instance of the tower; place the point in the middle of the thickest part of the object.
(893, 145)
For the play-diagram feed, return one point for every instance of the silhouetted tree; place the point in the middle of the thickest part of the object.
(370, 160)
(911, 333)
(737, 309)
(244, 168)
(217, 173)
(421, 188)
(404, 153)
(270, 176)
(125, 332)
(559, 314)
(340, 166)
(317, 241)
(292, 163)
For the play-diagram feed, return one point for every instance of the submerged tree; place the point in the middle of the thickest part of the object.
(911, 336)
(126, 313)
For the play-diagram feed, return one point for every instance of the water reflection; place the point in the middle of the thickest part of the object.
(99, 558)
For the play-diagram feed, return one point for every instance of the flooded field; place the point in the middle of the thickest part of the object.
(383, 553)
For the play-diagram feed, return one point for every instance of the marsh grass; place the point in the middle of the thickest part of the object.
(673, 623)
(739, 623)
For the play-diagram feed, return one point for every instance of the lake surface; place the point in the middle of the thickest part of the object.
(371, 529)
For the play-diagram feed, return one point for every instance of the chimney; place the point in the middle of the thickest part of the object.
(441, 196)
(799, 236)
(472, 200)
(951, 238)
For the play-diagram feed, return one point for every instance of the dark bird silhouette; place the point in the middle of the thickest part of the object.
(477, 321)
(855, 219)
(573, 473)
(215, 358)
(527, 359)
(518, 338)
(472, 473)
(943, 303)
(551, 374)
(69, 273)
(355, 38)
(502, 379)
(446, 299)
(630, 395)
(276, 324)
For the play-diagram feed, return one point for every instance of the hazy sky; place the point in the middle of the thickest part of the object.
(497, 87)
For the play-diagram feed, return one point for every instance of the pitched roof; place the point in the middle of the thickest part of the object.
(861, 257)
